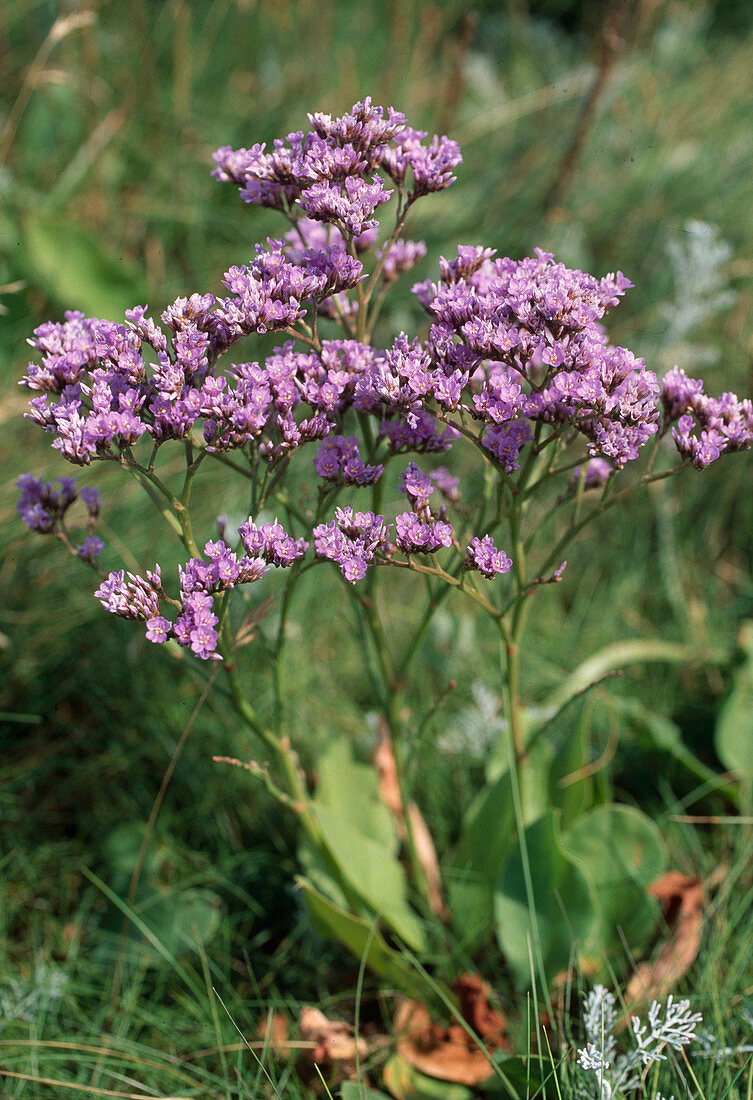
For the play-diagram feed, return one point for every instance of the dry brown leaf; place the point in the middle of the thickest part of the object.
(389, 786)
(427, 857)
(681, 898)
(449, 1053)
(334, 1039)
(475, 1009)
(274, 1030)
(389, 789)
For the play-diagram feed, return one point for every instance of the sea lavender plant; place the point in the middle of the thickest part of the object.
(514, 366)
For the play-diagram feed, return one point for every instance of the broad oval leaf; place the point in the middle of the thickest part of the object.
(620, 852)
(564, 922)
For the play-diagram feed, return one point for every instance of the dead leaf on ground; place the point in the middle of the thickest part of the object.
(681, 898)
(449, 1053)
(334, 1039)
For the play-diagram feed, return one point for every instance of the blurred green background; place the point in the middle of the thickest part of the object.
(109, 113)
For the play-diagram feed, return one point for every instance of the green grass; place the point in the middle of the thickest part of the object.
(108, 171)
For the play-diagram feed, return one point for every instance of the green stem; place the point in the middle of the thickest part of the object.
(392, 693)
(575, 529)
(278, 673)
(280, 747)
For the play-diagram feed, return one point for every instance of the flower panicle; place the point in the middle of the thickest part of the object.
(516, 357)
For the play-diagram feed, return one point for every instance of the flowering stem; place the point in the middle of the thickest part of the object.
(278, 674)
(293, 783)
(219, 457)
(575, 529)
(392, 692)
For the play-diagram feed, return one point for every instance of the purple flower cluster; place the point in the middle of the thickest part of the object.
(722, 424)
(419, 433)
(484, 556)
(351, 540)
(419, 531)
(401, 257)
(339, 460)
(267, 293)
(42, 508)
(528, 334)
(100, 411)
(413, 535)
(431, 166)
(516, 357)
(406, 378)
(134, 597)
(350, 205)
(325, 171)
(131, 596)
(271, 543)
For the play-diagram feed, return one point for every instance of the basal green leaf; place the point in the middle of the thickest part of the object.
(734, 727)
(352, 789)
(565, 921)
(360, 937)
(487, 836)
(619, 851)
(354, 1090)
(373, 873)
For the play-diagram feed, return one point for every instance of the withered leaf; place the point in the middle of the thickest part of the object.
(681, 898)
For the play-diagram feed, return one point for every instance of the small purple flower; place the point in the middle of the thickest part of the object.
(414, 536)
(90, 548)
(364, 126)
(158, 629)
(131, 596)
(679, 393)
(402, 256)
(420, 434)
(447, 483)
(403, 377)
(431, 166)
(203, 642)
(417, 487)
(506, 442)
(351, 540)
(598, 473)
(339, 460)
(271, 543)
(224, 568)
(41, 506)
(350, 204)
(484, 556)
(90, 498)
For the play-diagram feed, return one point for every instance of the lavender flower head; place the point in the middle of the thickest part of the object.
(351, 540)
(484, 556)
(706, 427)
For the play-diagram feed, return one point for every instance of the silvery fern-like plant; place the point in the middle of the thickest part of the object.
(698, 259)
(671, 1024)
(25, 1000)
